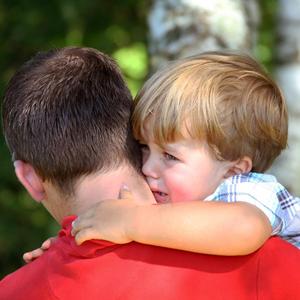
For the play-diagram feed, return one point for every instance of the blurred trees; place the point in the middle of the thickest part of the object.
(118, 28)
(287, 167)
(179, 28)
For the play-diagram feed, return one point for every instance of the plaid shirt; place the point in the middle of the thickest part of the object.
(266, 193)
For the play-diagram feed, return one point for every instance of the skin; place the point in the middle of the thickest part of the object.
(182, 171)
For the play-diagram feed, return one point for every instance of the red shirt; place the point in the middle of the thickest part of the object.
(101, 270)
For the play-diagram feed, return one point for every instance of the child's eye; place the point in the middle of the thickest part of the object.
(170, 156)
(144, 147)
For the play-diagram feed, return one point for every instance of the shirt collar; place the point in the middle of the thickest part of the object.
(87, 249)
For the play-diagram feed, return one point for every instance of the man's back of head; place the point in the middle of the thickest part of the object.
(67, 113)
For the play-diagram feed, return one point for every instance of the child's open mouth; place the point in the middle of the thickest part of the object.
(160, 197)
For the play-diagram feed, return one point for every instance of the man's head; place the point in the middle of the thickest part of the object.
(224, 99)
(66, 113)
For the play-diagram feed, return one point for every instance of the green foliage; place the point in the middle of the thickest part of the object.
(265, 50)
(134, 62)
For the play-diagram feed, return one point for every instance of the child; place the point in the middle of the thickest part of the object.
(209, 126)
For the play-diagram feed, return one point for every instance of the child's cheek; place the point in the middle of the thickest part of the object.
(179, 190)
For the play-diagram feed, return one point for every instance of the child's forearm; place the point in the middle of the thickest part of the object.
(205, 227)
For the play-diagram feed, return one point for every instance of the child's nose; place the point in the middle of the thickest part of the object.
(150, 166)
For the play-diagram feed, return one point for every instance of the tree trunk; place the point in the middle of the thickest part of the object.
(181, 28)
(287, 167)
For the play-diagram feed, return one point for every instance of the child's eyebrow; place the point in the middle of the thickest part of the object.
(171, 147)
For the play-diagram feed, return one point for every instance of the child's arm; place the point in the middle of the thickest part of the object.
(199, 226)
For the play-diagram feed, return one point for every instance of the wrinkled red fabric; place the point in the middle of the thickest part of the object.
(102, 270)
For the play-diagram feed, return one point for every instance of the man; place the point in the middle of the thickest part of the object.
(66, 121)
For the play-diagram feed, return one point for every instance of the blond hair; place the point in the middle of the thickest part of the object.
(225, 99)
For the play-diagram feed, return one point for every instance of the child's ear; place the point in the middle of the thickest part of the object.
(243, 165)
(30, 180)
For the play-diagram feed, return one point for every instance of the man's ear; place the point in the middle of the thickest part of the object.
(242, 165)
(30, 180)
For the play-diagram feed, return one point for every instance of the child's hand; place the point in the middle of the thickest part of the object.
(32, 255)
(108, 220)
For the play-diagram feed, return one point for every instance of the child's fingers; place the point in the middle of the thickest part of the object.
(74, 229)
(37, 253)
(27, 257)
(85, 234)
(30, 256)
(79, 224)
(125, 193)
(46, 245)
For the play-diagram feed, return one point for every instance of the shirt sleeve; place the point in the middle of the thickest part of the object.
(263, 195)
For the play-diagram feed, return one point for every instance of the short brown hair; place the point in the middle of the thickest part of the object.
(67, 112)
(224, 98)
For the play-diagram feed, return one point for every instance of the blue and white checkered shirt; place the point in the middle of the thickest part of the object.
(266, 193)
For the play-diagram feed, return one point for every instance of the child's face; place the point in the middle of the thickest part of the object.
(181, 171)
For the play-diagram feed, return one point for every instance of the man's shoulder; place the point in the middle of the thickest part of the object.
(272, 272)
(28, 282)
(279, 269)
(278, 253)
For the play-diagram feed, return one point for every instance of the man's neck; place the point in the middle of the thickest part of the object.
(103, 186)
